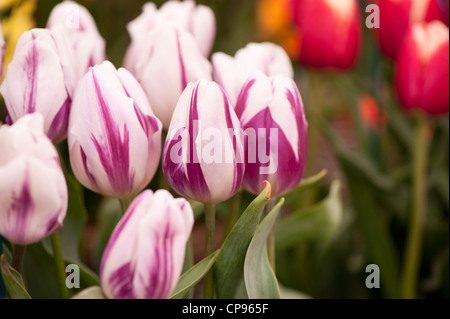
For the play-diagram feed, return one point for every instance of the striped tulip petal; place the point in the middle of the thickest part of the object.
(33, 191)
(145, 254)
(114, 138)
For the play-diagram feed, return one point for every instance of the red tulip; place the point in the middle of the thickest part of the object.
(397, 16)
(329, 32)
(422, 71)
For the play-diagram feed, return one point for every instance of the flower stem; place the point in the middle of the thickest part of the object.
(60, 265)
(417, 222)
(210, 220)
(125, 203)
(234, 212)
(18, 256)
(271, 238)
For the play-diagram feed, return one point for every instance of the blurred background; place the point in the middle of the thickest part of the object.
(358, 133)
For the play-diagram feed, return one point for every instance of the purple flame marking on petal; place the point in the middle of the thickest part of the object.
(86, 169)
(121, 282)
(58, 128)
(180, 59)
(30, 67)
(113, 150)
(194, 169)
(21, 207)
(243, 97)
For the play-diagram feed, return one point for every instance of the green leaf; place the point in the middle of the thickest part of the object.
(318, 222)
(230, 262)
(13, 281)
(192, 276)
(40, 272)
(260, 280)
(306, 183)
(108, 215)
(94, 292)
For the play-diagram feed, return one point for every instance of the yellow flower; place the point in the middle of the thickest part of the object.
(20, 20)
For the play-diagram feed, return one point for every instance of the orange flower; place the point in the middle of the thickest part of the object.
(370, 112)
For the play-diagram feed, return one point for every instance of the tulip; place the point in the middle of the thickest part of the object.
(145, 253)
(81, 31)
(170, 60)
(41, 78)
(198, 20)
(231, 73)
(329, 32)
(33, 191)
(203, 153)
(114, 137)
(422, 70)
(397, 17)
(272, 114)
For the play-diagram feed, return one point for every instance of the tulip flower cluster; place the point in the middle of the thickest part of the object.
(246, 127)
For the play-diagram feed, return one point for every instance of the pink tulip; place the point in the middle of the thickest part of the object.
(232, 72)
(198, 20)
(41, 78)
(329, 32)
(397, 17)
(422, 70)
(170, 60)
(33, 191)
(114, 137)
(271, 108)
(145, 253)
(80, 29)
(203, 156)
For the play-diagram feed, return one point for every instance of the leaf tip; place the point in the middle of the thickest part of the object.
(268, 190)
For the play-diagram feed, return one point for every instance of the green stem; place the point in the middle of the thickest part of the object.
(18, 256)
(60, 265)
(162, 182)
(210, 220)
(271, 238)
(234, 212)
(125, 203)
(417, 222)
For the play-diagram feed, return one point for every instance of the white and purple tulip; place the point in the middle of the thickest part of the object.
(80, 30)
(33, 191)
(41, 78)
(271, 113)
(170, 60)
(203, 156)
(232, 72)
(114, 138)
(199, 20)
(145, 253)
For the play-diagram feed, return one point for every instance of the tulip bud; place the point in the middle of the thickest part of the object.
(198, 20)
(41, 78)
(203, 156)
(114, 138)
(272, 115)
(33, 191)
(231, 73)
(81, 32)
(171, 59)
(329, 32)
(145, 253)
(396, 17)
(422, 70)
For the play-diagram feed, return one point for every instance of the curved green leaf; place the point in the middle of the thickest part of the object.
(192, 276)
(94, 292)
(230, 262)
(13, 281)
(260, 280)
(305, 184)
(317, 222)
